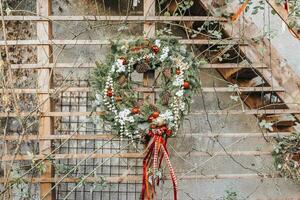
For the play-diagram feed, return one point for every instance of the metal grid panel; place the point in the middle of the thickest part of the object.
(81, 101)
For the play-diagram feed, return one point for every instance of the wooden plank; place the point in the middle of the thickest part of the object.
(93, 65)
(201, 112)
(107, 42)
(102, 136)
(130, 155)
(139, 89)
(141, 19)
(44, 54)
(138, 179)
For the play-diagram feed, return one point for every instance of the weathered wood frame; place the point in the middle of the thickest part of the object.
(44, 90)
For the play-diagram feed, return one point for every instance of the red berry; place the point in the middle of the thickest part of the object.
(178, 71)
(169, 132)
(155, 49)
(186, 85)
(135, 110)
(155, 114)
(109, 93)
(150, 134)
(150, 118)
(164, 128)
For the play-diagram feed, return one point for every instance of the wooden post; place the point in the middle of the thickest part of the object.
(149, 31)
(44, 32)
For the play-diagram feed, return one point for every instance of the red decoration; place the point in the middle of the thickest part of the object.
(169, 132)
(150, 134)
(186, 85)
(155, 114)
(155, 49)
(156, 151)
(164, 128)
(152, 126)
(178, 71)
(109, 93)
(123, 60)
(150, 118)
(135, 110)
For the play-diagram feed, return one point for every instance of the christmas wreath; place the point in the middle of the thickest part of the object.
(116, 94)
(115, 89)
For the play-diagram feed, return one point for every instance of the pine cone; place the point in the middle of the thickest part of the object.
(165, 98)
(167, 73)
(122, 79)
(142, 67)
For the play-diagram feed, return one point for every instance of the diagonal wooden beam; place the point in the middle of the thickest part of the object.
(275, 75)
(284, 15)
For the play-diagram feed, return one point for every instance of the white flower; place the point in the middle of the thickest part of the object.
(124, 113)
(179, 93)
(130, 119)
(182, 106)
(119, 65)
(123, 117)
(165, 54)
(99, 99)
(167, 115)
(178, 80)
(157, 43)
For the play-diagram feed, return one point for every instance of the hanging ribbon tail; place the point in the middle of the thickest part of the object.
(145, 167)
(172, 173)
(164, 143)
(240, 10)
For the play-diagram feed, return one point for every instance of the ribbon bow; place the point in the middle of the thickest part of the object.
(156, 151)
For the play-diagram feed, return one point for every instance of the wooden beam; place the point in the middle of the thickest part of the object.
(200, 112)
(275, 75)
(44, 54)
(284, 15)
(107, 42)
(103, 136)
(140, 19)
(129, 155)
(139, 89)
(93, 65)
(138, 179)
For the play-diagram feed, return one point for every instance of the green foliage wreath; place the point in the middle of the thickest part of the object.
(116, 89)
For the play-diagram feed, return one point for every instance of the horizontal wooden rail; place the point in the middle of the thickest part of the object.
(142, 19)
(138, 179)
(93, 65)
(130, 155)
(107, 42)
(201, 112)
(29, 137)
(142, 89)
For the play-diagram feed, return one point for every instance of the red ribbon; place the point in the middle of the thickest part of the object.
(156, 151)
(286, 5)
